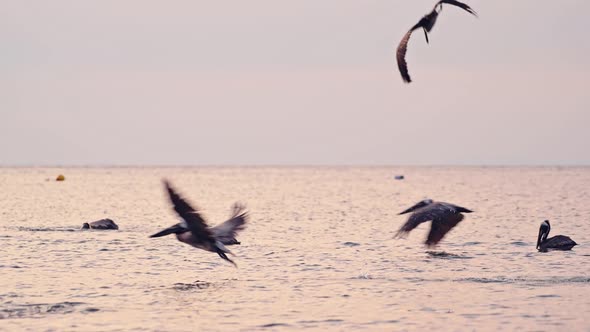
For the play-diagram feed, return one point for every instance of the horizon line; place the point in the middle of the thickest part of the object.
(282, 165)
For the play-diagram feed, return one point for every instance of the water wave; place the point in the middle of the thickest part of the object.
(446, 255)
(525, 280)
(11, 311)
(192, 286)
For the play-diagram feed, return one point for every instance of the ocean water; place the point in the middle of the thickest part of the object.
(318, 252)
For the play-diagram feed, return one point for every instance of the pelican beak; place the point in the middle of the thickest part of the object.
(170, 230)
(462, 209)
(541, 232)
(416, 206)
(407, 210)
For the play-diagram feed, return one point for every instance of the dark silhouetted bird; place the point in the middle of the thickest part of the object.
(100, 224)
(444, 217)
(557, 242)
(426, 23)
(193, 229)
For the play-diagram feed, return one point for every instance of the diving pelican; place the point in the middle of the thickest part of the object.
(193, 229)
(426, 23)
(558, 242)
(444, 217)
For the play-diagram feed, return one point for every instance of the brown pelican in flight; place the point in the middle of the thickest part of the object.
(426, 23)
(444, 217)
(558, 242)
(193, 229)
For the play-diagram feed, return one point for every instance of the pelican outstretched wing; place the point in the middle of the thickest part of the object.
(458, 4)
(437, 211)
(402, 48)
(420, 215)
(226, 232)
(195, 223)
(401, 57)
(442, 226)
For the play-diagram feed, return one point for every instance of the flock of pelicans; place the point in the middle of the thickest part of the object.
(194, 230)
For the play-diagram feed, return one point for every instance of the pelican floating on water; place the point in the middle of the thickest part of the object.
(558, 242)
(193, 229)
(100, 224)
(426, 23)
(444, 217)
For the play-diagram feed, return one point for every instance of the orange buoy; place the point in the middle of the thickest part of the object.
(60, 177)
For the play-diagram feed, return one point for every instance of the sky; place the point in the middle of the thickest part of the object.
(285, 82)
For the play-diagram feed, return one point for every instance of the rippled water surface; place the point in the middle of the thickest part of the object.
(318, 252)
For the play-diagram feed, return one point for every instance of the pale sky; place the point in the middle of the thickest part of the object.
(292, 82)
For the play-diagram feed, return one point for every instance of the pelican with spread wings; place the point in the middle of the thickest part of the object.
(193, 229)
(444, 217)
(426, 23)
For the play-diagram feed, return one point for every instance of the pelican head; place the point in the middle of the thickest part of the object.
(176, 229)
(418, 205)
(543, 233)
